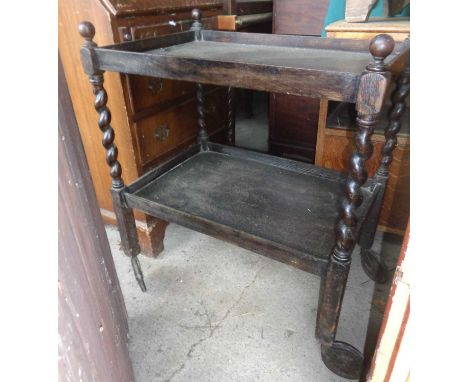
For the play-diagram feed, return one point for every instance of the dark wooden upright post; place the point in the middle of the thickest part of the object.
(340, 357)
(395, 115)
(370, 260)
(202, 139)
(231, 116)
(124, 215)
(92, 321)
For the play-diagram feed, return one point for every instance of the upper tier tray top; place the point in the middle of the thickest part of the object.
(301, 65)
(277, 56)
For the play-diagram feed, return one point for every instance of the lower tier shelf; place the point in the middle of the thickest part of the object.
(280, 208)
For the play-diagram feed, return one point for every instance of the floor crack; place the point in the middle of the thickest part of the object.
(209, 325)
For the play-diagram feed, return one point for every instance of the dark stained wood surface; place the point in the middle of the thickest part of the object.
(280, 208)
(121, 8)
(293, 126)
(248, 7)
(299, 17)
(92, 320)
(340, 357)
(276, 56)
(293, 120)
(329, 68)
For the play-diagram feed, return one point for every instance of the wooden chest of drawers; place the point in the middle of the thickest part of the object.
(152, 118)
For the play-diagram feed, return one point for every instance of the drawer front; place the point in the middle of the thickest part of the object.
(146, 92)
(168, 130)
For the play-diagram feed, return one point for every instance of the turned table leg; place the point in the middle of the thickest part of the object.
(202, 137)
(201, 122)
(124, 215)
(369, 259)
(342, 358)
(231, 131)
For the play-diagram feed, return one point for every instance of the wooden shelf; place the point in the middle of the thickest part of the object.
(284, 209)
(301, 65)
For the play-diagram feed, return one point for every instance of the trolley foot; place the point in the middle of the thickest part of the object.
(343, 359)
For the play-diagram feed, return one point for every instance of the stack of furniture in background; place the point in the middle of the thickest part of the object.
(152, 117)
(293, 119)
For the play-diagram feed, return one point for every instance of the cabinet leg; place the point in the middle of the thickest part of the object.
(128, 236)
(151, 233)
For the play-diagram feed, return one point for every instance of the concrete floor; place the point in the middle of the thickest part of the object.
(216, 312)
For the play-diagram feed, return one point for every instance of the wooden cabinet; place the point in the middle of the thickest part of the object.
(247, 16)
(335, 144)
(152, 118)
(336, 128)
(293, 119)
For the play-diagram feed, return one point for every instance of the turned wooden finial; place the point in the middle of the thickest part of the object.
(86, 30)
(196, 17)
(380, 47)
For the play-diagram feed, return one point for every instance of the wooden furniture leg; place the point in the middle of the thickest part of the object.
(369, 259)
(202, 134)
(340, 357)
(202, 138)
(231, 116)
(124, 215)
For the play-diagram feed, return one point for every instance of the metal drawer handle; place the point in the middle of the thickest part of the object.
(161, 133)
(127, 34)
(155, 85)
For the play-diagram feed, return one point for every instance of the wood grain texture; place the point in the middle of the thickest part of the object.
(293, 120)
(92, 321)
(332, 67)
(293, 126)
(124, 8)
(299, 17)
(399, 29)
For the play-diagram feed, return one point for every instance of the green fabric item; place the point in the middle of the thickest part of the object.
(336, 11)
